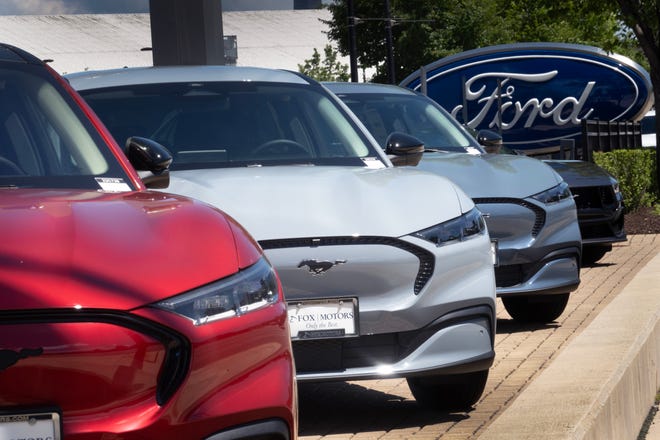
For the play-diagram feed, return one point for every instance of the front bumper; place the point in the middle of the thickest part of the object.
(559, 274)
(539, 246)
(406, 326)
(460, 342)
(150, 373)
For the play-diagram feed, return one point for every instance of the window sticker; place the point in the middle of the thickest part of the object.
(373, 163)
(111, 184)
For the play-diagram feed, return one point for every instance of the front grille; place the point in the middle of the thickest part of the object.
(363, 351)
(426, 258)
(338, 354)
(594, 197)
(513, 274)
(177, 348)
(539, 213)
(593, 230)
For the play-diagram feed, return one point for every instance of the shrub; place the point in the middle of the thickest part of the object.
(635, 170)
(326, 69)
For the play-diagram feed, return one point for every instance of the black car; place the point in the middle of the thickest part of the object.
(599, 203)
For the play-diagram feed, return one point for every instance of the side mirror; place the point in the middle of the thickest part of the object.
(491, 141)
(151, 160)
(404, 149)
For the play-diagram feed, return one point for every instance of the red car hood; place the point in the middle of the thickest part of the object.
(63, 249)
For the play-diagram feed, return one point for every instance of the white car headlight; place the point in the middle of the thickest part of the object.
(250, 289)
(460, 228)
(554, 194)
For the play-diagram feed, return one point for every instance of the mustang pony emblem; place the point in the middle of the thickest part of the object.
(10, 357)
(317, 267)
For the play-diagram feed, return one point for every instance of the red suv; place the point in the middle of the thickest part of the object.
(124, 313)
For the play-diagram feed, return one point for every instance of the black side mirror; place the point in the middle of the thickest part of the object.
(151, 160)
(404, 149)
(491, 141)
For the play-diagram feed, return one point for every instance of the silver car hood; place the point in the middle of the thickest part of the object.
(492, 175)
(310, 201)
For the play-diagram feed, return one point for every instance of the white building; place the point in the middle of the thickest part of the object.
(275, 38)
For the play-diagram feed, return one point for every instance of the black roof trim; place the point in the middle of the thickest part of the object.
(19, 54)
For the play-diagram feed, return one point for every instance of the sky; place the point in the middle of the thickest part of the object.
(57, 7)
(63, 7)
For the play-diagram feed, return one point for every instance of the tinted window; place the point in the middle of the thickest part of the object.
(383, 114)
(233, 124)
(45, 140)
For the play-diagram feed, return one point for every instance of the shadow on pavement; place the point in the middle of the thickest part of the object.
(512, 326)
(336, 408)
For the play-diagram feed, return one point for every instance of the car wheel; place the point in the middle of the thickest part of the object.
(536, 308)
(455, 392)
(591, 254)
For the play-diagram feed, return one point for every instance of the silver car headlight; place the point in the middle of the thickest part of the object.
(250, 289)
(554, 194)
(461, 228)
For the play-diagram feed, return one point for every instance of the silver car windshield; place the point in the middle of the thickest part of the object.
(45, 139)
(225, 124)
(383, 114)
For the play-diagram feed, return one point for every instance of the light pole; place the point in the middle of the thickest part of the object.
(388, 42)
(352, 44)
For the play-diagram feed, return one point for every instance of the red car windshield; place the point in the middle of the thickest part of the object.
(46, 141)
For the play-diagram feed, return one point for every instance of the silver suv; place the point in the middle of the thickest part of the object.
(529, 208)
(388, 272)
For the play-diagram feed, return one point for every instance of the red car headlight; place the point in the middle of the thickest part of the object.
(250, 289)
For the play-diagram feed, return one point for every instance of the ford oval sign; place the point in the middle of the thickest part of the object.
(535, 94)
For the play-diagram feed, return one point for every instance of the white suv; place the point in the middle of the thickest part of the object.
(388, 272)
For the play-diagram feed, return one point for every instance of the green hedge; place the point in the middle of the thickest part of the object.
(635, 170)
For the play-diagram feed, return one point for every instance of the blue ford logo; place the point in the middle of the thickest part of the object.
(536, 93)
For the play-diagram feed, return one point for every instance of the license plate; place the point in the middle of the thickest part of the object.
(331, 318)
(30, 425)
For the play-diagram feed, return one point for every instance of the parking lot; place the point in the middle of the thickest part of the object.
(385, 409)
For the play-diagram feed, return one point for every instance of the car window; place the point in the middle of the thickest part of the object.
(233, 124)
(384, 114)
(44, 139)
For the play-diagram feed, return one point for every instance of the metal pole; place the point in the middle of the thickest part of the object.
(352, 43)
(388, 41)
(423, 84)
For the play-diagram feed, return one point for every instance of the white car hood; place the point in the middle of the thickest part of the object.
(493, 175)
(311, 201)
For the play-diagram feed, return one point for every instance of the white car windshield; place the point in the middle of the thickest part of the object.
(228, 124)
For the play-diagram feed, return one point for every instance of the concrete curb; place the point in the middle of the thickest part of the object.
(603, 383)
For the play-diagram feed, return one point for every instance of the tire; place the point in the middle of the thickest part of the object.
(456, 392)
(536, 308)
(591, 254)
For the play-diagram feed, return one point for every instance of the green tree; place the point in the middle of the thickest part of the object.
(327, 69)
(426, 30)
(642, 19)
